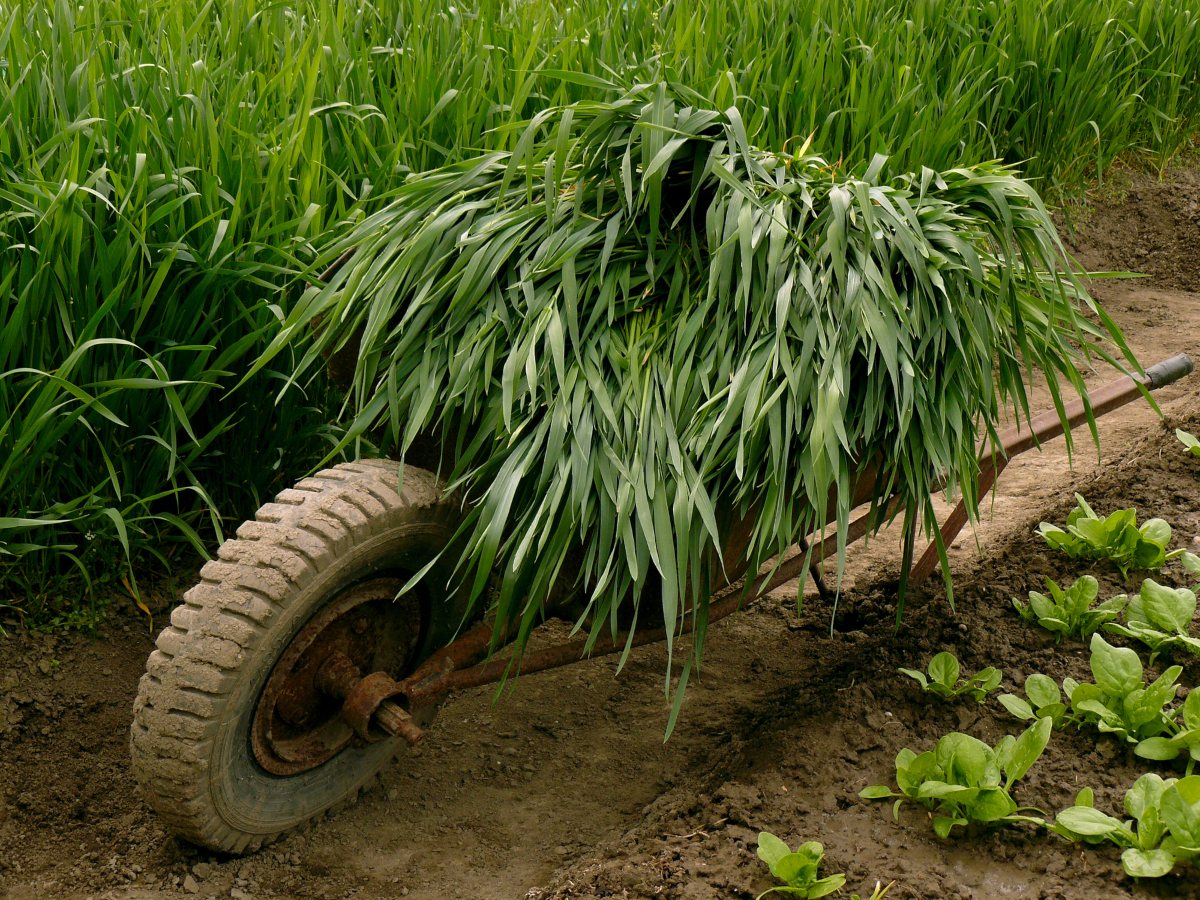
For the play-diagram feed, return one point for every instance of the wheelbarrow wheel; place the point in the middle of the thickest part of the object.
(233, 742)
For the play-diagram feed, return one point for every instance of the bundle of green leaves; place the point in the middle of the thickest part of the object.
(636, 328)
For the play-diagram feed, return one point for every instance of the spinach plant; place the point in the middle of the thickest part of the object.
(943, 679)
(1120, 701)
(1115, 537)
(1160, 617)
(1069, 613)
(797, 869)
(963, 780)
(1164, 828)
(1043, 700)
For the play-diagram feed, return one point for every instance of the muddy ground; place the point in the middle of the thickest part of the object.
(565, 789)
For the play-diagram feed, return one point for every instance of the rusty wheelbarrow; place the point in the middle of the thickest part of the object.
(291, 674)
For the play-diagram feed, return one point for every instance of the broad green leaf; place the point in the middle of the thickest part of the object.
(944, 669)
(1145, 794)
(1167, 608)
(825, 886)
(1147, 863)
(876, 792)
(1159, 748)
(1041, 690)
(1180, 808)
(1117, 670)
(1190, 710)
(1088, 821)
(1029, 748)
(771, 849)
(1191, 562)
(942, 825)
(795, 868)
(1157, 531)
(966, 759)
(991, 805)
(1015, 705)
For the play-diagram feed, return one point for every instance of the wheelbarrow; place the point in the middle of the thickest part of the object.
(299, 665)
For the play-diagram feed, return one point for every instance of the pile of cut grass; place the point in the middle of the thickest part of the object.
(637, 329)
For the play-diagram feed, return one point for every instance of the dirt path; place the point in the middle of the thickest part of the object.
(565, 788)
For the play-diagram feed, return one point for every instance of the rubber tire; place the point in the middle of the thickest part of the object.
(190, 740)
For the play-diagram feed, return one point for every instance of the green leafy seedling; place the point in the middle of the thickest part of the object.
(1185, 741)
(1042, 700)
(1116, 538)
(1189, 441)
(1164, 828)
(1160, 617)
(1120, 701)
(797, 869)
(943, 679)
(1069, 613)
(963, 780)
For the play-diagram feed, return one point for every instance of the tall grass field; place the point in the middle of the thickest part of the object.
(171, 170)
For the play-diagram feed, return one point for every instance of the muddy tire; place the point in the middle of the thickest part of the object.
(191, 738)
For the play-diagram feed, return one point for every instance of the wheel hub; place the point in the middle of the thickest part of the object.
(298, 724)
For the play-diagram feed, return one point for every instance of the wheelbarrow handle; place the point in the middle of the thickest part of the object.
(1168, 371)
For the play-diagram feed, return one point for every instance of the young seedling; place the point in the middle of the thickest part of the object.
(943, 679)
(1164, 828)
(797, 869)
(1116, 538)
(1160, 617)
(1042, 700)
(964, 781)
(1120, 701)
(1189, 441)
(1069, 613)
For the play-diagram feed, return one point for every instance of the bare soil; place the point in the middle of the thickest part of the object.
(564, 787)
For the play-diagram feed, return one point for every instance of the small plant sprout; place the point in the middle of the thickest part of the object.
(1069, 613)
(1164, 828)
(1189, 441)
(943, 679)
(1043, 700)
(797, 869)
(1116, 538)
(1160, 617)
(964, 781)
